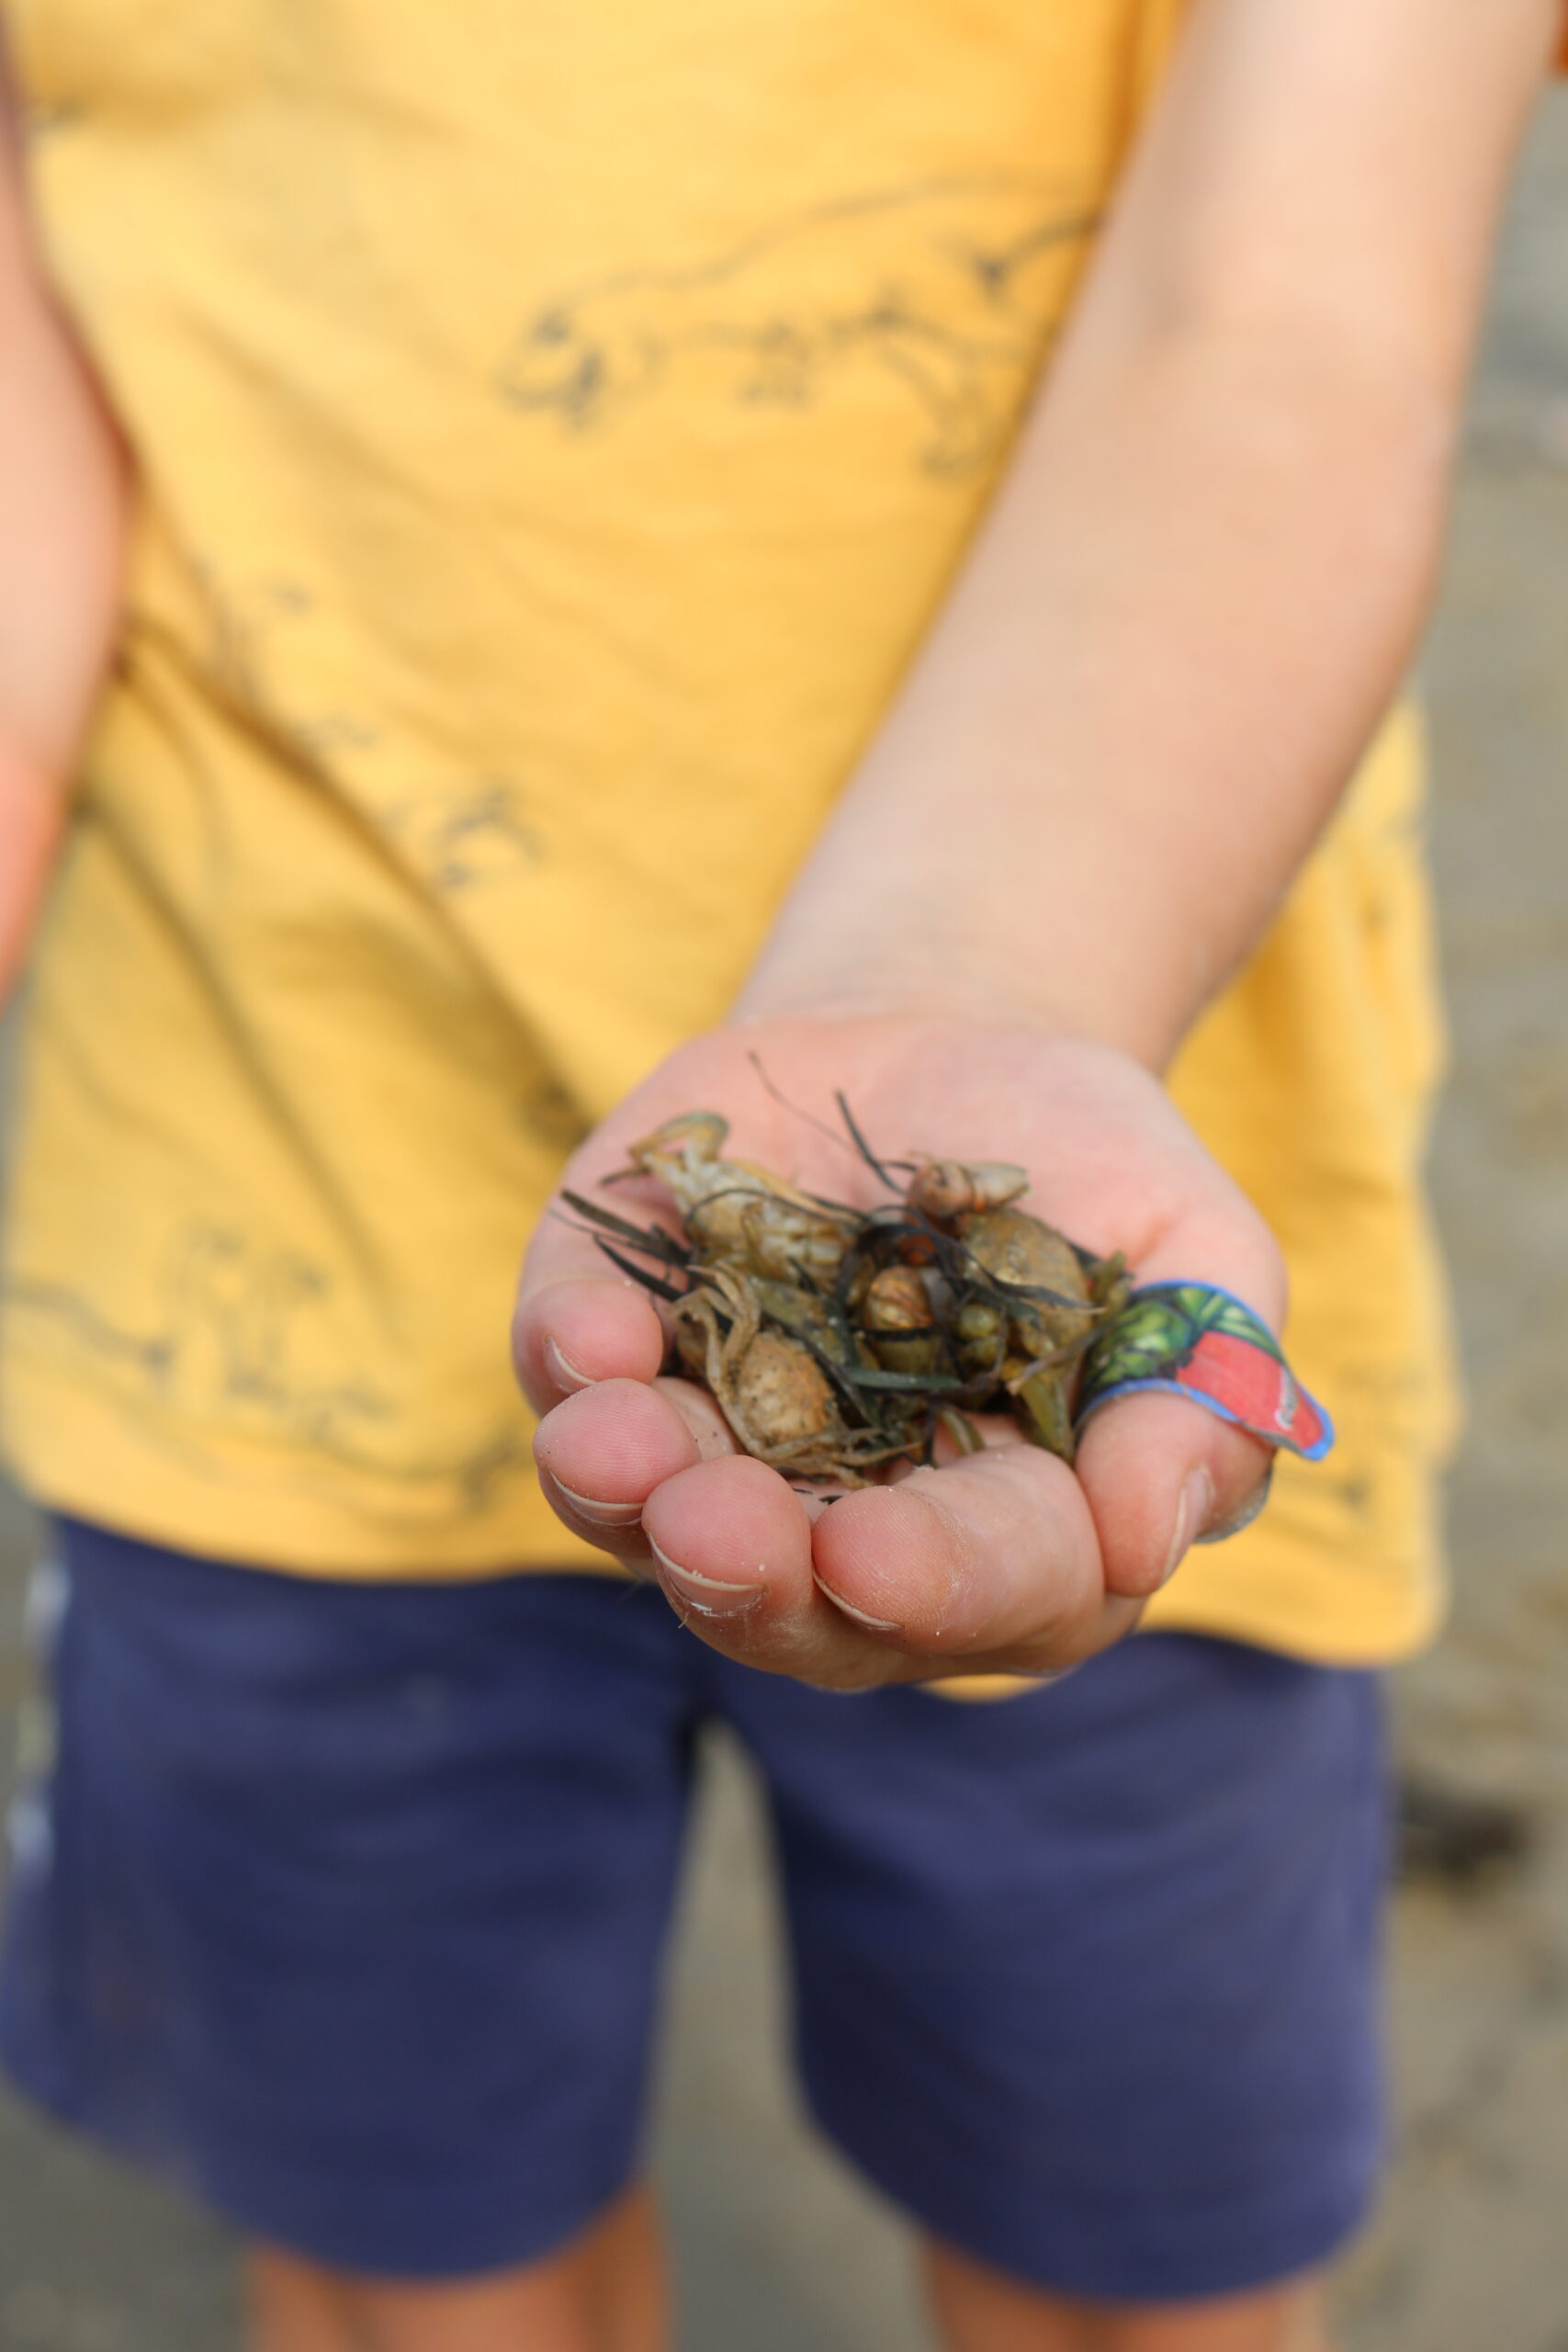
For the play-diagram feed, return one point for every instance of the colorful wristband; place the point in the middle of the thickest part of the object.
(1191, 1340)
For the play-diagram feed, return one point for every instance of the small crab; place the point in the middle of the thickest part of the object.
(835, 1338)
(769, 1385)
(951, 1191)
(736, 1212)
(899, 1321)
(1050, 1325)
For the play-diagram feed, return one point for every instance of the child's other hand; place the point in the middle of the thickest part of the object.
(63, 477)
(32, 819)
(1004, 1561)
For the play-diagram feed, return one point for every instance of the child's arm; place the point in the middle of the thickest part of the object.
(62, 494)
(1191, 602)
(1214, 552)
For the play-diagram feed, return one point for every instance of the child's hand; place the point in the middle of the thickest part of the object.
(1000, 1561)
(32, 818)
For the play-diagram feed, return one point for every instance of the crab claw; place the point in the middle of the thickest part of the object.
(693, 1140)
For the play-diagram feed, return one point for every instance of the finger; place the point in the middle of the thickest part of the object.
(603, 1451)
(576, 1320)
(994, 1558)
(990, 1564)
(583, 1328)
(1159, 1474)
(732, 1549)
(732, 1539)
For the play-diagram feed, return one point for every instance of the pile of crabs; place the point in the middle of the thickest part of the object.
(836, 1340)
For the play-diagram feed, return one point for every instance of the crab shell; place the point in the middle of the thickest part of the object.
(734, 1210)
(1013, 1247)
(780, 1398)
(951, 1191)
(899, 1317)
(769, 1386)
(684, 1155)
(769, 1235)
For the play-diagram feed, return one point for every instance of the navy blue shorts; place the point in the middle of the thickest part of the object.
(344, 1904)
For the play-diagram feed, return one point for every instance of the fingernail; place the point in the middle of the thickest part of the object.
(860, 1616)
(591, 1507)
(1244, 1514)
(562, 1370)
(1193, 1514)
(709, 1596)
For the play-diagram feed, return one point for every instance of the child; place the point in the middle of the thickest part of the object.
(556, 437)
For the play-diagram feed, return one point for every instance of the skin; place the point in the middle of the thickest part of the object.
(62, 493)
(1079, 815)
(605, 2292)
(979, 2310)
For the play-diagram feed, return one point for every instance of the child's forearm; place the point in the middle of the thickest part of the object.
(1201, 582)
(1187, 614)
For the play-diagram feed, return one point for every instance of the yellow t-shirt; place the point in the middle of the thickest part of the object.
(557, 427)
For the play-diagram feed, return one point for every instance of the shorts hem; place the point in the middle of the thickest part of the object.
(415, 2234)
(1106, 2254)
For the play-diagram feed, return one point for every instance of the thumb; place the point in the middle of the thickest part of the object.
(1160, 1474)
(33, 820)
